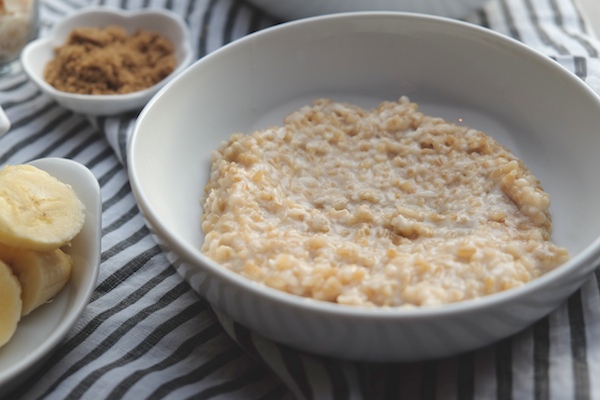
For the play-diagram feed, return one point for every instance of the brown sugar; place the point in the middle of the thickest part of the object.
(110, 61)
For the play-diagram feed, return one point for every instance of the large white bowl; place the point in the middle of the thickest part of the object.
(455, 70)
(293, 9)
(4, 122)
(37, 54)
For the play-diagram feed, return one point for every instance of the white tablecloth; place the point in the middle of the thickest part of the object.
(147, 335)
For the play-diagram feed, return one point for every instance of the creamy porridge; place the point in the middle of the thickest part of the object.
(382, 207)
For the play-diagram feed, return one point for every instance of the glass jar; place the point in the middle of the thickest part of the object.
(19, 22)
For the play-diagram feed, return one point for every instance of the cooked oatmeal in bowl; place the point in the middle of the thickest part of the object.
(383, 207)
(386, 242)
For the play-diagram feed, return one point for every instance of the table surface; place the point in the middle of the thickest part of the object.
(147, 335)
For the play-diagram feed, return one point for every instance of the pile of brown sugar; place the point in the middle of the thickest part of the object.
(110, 61)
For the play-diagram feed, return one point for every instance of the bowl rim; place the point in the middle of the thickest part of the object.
(47, 41)
(581, 261)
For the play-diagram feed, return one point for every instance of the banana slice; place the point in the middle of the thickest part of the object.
(37, 211)
(10, 303)
(41, 274)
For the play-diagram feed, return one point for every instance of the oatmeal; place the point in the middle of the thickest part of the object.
(382, 207)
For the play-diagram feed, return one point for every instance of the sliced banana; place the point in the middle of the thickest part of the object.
(37, 211)
(41, 274)
(10, 303)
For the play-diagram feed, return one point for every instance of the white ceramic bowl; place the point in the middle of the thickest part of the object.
(40, 332)
(38, 53)
(293, 9)
(529, 103)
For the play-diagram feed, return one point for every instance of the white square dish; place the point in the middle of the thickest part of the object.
(40, 332)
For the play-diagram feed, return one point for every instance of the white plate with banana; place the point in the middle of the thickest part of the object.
(50, 231)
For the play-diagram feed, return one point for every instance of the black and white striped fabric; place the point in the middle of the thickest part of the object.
(147, 335)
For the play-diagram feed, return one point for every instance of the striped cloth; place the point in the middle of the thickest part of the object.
(147, 335)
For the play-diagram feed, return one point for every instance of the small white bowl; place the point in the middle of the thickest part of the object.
(40, 332)
(293, 9)
(38, 53)
(454, 70)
